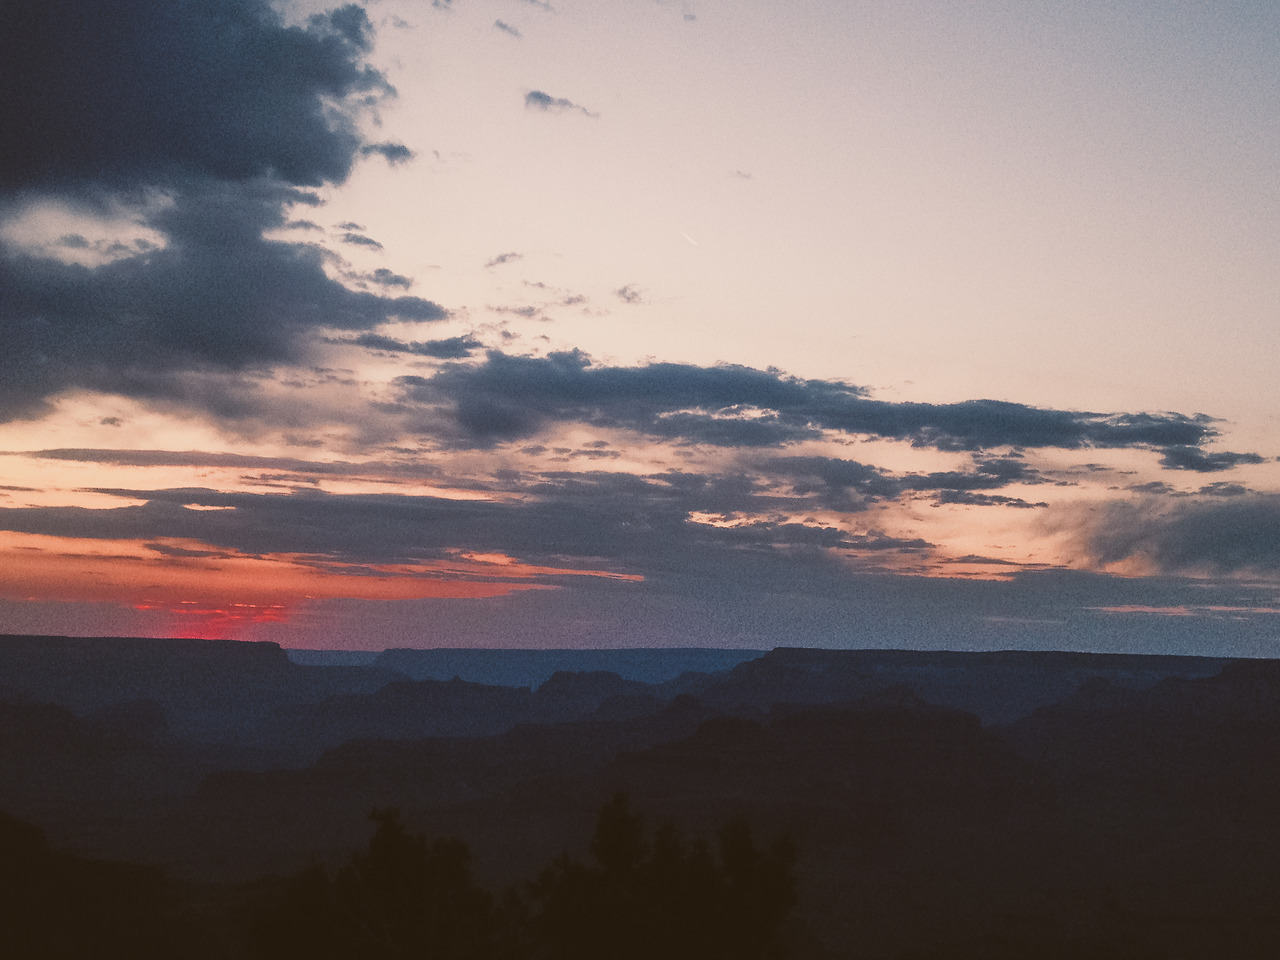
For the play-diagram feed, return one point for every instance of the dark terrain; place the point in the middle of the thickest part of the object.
(940, 804)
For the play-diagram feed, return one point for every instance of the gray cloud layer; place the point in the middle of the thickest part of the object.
(102, 93)
(225, 113)
(512, 398)
(1225, 535)
(212, 121)
(761, 583)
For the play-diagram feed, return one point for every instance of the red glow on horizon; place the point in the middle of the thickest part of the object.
(194, 620)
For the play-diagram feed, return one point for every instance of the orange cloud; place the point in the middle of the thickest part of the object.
(1186, 610)
(210, 592)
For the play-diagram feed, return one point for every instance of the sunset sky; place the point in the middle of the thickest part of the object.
(643, 323)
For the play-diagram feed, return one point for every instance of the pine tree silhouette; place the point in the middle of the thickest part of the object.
(640, 899)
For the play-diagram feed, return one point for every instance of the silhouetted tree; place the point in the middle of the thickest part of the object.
(403, 897)
(667, 898)
(56, 905)
(305, 921)
(637, 899)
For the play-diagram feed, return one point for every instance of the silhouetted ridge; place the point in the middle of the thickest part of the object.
(533, 667)
(221, 691)
(1177, 785)
(571, 696)
(999, 687)
(54, 905)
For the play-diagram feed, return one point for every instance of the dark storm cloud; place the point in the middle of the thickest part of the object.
(837, 484)
(111, 94)
(502, 258)
(448, 348)
(393, 153)
(510, 397)
(360, 240)
(1223, 489)
(846, 484)
(204, 119)
(1153, 488)
(968, 498)
(1228, 534)
(387, 278)
(538, 100)
(507, 28)
(986, 561)
(674, 495)
(627, 522)
(385, 528)
(988, 474)
(513, 397)
(721, 431)
(183, 553)
(218, 296)
(982, 424)
(528, 311)
(629, 294)
(1191, 458)
(760, 583)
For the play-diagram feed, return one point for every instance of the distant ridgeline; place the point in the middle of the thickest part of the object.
(531, 668)
(206, 680)
(291, 706)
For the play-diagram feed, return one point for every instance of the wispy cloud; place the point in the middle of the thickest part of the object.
(448, 348)
(360, 240)
(388, 278)
(1201, 461)
(538, 100)
(1236, 533)
(393, 153)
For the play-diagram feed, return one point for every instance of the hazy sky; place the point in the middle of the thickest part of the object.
(625, 322)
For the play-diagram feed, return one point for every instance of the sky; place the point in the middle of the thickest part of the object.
(417, 323)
